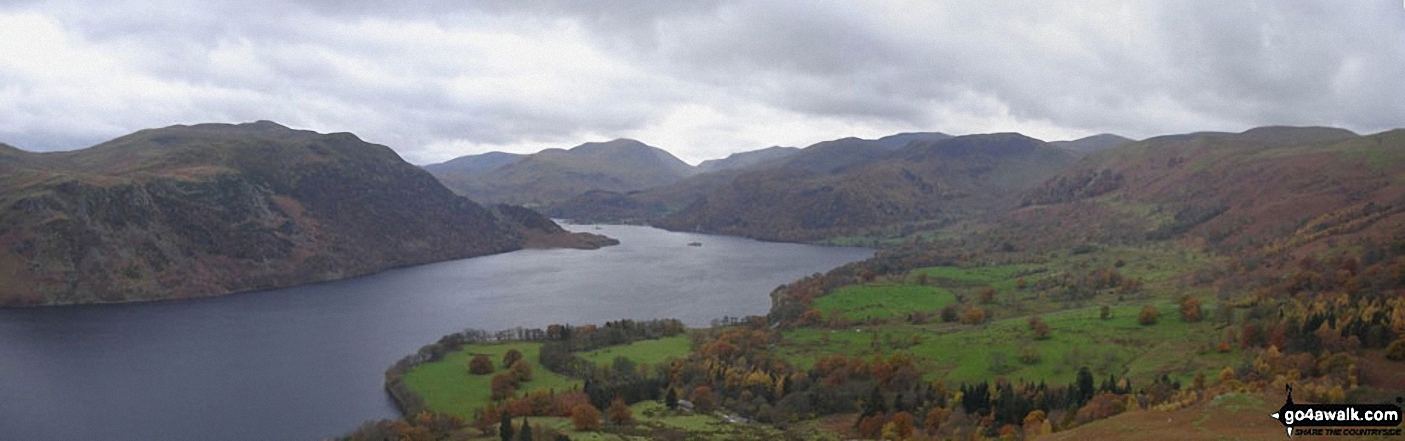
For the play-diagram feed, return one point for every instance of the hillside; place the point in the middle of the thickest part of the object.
(473, 163)
(190, 211)
(1092, 143)
(894, 142)
(854, 187)
(745, 159)
(1270, 187)
(555, 175)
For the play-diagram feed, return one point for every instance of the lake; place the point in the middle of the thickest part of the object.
(307, 362)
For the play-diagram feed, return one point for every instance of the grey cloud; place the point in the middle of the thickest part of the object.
(1135, 68)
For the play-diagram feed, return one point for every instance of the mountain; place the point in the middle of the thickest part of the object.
(832, 156)
(190, 211)
(745, 159)
(643, 206)
(1092, 143)
(474, 163)
(554, 175)
(894, 142)
(1269, 187)
(853, 186)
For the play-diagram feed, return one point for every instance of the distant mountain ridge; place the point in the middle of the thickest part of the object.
(190, 211)
(474, 163)
(555, 174)
(1092, 143)
(853, 187)
(746, 159)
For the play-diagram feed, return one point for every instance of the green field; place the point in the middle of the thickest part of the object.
(1118, 345)
(649, 352)
(956, 352)
(447, 387)
(863, 302)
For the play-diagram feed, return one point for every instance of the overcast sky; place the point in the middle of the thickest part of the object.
(436, 80)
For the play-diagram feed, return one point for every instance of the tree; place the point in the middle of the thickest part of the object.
(1029, 354)
(871, 427)
(1396, 350)
(619, 412)
(505, 428)
(973, 315)
(523, 370)
(671, 399)
(480, 364)
(875, 404)
(511, 357)
(1035, 423)
(936, 416)
(987, 295)
(503, 386)
(1148, 316)
(1085, 385)
(585, 417)
(702, 398)
(1040, 329)
(1190, 309)
(900, 427)
(525, 434)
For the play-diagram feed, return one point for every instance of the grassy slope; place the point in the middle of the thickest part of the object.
(883, 301)
(649, 352)
(447, 387)
(957, 352)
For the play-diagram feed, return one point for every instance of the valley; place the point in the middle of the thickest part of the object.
(1097, 289)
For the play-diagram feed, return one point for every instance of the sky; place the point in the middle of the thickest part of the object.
(701, 78)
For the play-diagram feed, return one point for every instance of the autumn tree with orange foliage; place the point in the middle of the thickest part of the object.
(973, 315)
(936, 416)
(871, 427)
(899, 427)
(618, 412)
(480, 364)
(1191, 311)
(1040, 329)
(987, 295)
(503, 386)
(703, 399)
(1148, 316)
(511, 357)
(585, 417)
(522, 370)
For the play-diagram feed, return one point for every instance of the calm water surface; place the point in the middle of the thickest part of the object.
(305, 363)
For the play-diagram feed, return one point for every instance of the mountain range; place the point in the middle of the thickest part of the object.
(554, 175)
(189, 211)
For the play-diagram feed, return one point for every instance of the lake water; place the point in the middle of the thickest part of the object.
(307, 362)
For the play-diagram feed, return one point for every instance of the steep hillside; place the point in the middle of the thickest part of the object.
(745, 159)
(853, 186)
(555, 175)
(1270, 187)
(188, 211)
